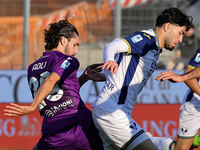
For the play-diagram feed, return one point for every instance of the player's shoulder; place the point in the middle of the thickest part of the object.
(144, 39)
(146, 36)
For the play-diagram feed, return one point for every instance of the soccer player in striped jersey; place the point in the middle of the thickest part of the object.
(189, 120)
(129, 62)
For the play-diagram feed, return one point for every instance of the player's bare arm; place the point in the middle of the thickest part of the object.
(193, 84)
(169, 75)
(173, 77)
(192, 74)
(92, 72)
(44, 90)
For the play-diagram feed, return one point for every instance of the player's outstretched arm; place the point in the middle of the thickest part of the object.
(193, 84)
(92, 72)
(14, 110)
(192, 74)
(43, 91)
(169, 75)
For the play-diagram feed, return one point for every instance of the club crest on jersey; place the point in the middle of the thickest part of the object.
(197, 58)
(184, 130)
(136, 38)
(133, 125)
(65, 64)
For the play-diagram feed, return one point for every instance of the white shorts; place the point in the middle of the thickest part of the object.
(117, 130)
(189, 120)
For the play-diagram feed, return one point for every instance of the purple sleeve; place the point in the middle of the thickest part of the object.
(61, 65)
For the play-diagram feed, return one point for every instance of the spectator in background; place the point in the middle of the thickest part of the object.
(183, 52)
(67, 122)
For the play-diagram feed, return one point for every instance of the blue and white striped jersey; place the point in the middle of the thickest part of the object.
(190, 95)
(137, 56)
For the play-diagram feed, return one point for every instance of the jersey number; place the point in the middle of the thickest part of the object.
(55, 94)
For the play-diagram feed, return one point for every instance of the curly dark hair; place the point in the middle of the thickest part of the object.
(58, 29)
(174, 16)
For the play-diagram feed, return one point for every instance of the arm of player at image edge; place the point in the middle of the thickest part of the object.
(14, 110)
(92, 72)
(173, 77)
(193, 84)
(116, 46)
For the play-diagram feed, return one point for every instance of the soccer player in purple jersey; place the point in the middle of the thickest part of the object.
(67, 123)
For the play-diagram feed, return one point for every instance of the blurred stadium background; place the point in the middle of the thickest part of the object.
(98, 22)
(95, 20)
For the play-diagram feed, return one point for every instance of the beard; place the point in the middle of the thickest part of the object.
(168, 47)
(67, 50)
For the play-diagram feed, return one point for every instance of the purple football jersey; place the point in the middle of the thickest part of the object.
(82, 135)
(63, 106)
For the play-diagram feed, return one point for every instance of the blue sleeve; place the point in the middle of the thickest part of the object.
(140, 43)
(195, 60)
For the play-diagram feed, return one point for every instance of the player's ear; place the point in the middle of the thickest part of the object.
(166, 26)
(62, 40)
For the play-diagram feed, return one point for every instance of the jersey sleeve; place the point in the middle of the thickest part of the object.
(195, 60)
(140, 43)
(62, 65)
(111, 49)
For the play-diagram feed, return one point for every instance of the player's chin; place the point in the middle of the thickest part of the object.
(170, 48)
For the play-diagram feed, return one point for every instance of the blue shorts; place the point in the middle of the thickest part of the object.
(82, 135)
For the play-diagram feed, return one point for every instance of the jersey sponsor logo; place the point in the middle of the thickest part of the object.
(54, 109)
(40, 65)
(197, 58)
(136, 38)
(65, 64)
(109, 85)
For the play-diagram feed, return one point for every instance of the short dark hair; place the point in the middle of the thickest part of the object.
(58, 29)
(174, 16)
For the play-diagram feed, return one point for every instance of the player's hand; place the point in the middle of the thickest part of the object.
(93, 72)
(14, 110)
(110, 65)
(96, 67)
(169, 75)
